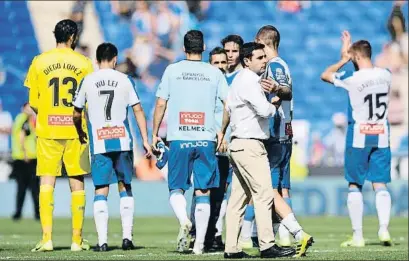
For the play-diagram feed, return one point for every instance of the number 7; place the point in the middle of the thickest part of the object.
(108, 103)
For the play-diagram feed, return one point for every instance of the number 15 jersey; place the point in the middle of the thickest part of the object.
(108, 95)
(368, 91)
(53, 78)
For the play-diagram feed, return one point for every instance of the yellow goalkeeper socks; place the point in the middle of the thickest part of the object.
(46, 199)
(77, 209)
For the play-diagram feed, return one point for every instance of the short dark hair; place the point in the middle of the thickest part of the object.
(64, 30)
(216, 50)
(269, 35)
(363, 47)
(247, 51)
(233, 38)
(106, 52)
(193, 42)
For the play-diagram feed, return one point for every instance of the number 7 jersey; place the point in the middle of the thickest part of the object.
(53, 78)
(368, 91)
(108, 95)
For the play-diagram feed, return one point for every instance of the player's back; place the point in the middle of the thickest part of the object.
(56, 75)
(193, 88)
(280, 127)
(368, 91)
(108, 95)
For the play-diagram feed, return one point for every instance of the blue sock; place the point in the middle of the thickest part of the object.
(100, 197)
(288, 201)
(249, 214)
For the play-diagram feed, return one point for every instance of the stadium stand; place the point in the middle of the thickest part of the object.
(306, 44)
(17, 48)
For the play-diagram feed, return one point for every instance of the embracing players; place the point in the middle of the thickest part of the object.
(53, 78)
(367, 154)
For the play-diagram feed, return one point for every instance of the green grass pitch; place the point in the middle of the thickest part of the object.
(156, 239)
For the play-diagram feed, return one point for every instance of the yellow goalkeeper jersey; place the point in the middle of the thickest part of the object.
(53, 78)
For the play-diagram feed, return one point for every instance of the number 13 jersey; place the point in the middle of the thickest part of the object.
(368, 91)
(53, 78)
(108, 95)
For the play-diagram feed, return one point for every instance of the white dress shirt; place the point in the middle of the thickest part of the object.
(248, 107)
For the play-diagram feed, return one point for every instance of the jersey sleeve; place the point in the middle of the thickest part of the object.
(80, 95)
(133, 98)
(222, 88)
(279, 74)
(163, 91)
(31, 82)
(341, 79)
(90, 67)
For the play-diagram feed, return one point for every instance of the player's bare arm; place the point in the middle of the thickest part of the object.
(225, 124)
(160, 109)
(77, 119)
(141, 120)
(345, 58)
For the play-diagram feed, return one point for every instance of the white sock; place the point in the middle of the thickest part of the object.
(178, 202)
(246, 228)
(254, 232)
(283, 232)
(383, 207)
(101, 219)
(291, 223)
(202, 215)
(355, 204)
(126, 206)
(220, 221)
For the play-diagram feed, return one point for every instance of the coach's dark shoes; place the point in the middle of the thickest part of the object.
(103, 248)
(255, 242)
(239, 255)
(276, 251)
(127, 244)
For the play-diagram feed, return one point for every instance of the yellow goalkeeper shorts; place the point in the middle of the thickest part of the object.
(52, 153)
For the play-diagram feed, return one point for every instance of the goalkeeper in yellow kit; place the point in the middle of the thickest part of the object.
(53, 79)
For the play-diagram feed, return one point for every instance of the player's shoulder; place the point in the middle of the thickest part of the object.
(345, 75)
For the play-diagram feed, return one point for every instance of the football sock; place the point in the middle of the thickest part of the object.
(247, 223)
(46, 199)
(178, 203)
(202, 215)
(101, 218)
(282, 230)
(77, 209)
(254, 232)
(220, 221)
(291, 223)
(383, 207)
(355, 204)
(126, 206)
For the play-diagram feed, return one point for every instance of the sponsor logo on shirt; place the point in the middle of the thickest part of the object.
(193, 144)
(107, 133)
(372, 129)
(191, 121)
(60, 120)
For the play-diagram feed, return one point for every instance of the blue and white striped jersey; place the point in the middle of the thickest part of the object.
(368, 91)
(108, 95)
(280, 127)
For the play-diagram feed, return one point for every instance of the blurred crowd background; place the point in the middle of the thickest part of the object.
(149, 36)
